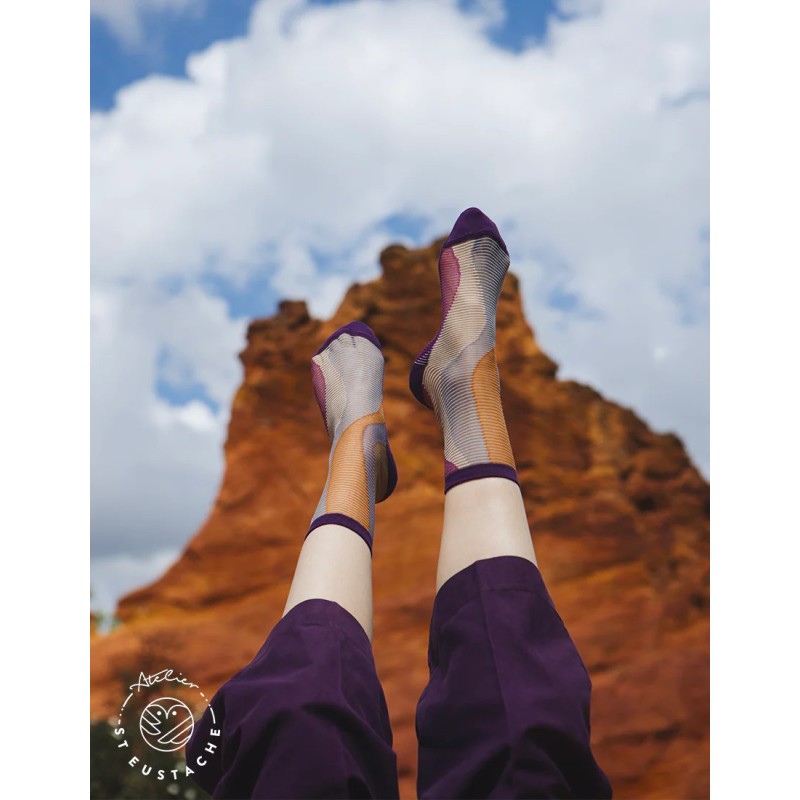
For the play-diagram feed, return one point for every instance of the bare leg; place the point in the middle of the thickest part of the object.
(482, 519)
(336, 559)
(335, 565)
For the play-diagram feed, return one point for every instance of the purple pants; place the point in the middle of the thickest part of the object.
(505, 713)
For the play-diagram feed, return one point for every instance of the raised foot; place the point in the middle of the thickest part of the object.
(351, 331)
(481, 271)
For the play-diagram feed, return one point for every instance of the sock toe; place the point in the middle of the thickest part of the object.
(471, 224)
(355, 328)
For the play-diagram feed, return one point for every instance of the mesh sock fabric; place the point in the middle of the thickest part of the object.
(456, 373)
(347, 376)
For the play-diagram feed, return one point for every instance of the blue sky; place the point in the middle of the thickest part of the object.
(172, 37)
(269, 149)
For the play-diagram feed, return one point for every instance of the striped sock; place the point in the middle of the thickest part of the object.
(456, 374)
(347, 376)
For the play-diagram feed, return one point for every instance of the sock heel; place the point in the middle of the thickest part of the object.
(392, 480)
(418, 370)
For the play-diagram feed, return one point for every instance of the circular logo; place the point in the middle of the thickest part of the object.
(161, 703)
(166, 724)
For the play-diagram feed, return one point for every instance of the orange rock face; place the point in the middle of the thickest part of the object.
(618, 514)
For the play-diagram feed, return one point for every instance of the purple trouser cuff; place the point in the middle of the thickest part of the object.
(498, 574)
(345, 522)
(305, 718)
(506, 710)
(476, 471)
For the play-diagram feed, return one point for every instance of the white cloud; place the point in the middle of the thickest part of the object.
(300, 138)
(112, 575)
(124, 17)
(194, 415)
(156, 468)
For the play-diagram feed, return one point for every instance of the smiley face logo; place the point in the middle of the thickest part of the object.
(166, 724)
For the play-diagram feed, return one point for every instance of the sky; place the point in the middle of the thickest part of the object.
(244, 151)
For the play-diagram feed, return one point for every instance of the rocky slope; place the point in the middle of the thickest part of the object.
(619, 515)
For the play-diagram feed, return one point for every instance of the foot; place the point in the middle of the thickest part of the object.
(456, 373)
(347, 377)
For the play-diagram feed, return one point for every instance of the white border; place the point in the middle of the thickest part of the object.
(44, 326)
(755, 219)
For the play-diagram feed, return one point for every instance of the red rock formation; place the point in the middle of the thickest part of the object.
(619, 517)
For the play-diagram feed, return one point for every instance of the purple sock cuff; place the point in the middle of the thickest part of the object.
(345, 522)
(356, 328)
(476, 471)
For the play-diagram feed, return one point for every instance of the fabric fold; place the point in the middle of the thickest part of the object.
(506, 710)
(306, 718)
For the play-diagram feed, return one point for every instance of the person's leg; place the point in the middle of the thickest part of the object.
(334, 564)
(307, 717)
(506, 711)
(337, 566)
(484, 518)
(456, 375)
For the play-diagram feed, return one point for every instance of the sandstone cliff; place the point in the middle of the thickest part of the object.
(619, 515)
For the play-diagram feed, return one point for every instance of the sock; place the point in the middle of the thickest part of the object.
(456, 373)
(347, 376)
